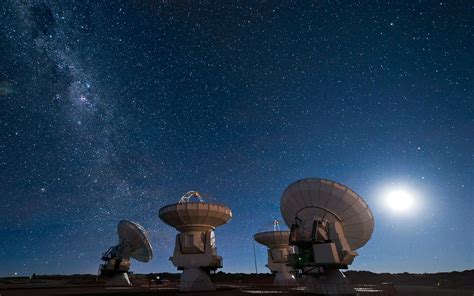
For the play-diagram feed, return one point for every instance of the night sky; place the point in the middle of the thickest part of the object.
(112, 109)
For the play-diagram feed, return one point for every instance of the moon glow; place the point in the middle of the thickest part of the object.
(400, 201)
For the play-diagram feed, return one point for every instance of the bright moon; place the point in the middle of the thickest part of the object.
(400, 201)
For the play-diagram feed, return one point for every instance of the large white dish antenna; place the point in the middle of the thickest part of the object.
(277, 238)
(187, 216)
(325, 199)
(133, 241)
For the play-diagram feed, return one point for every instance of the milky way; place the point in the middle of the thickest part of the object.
(111, 110)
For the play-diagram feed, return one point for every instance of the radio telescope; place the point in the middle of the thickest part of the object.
(195, 251)
(133, 243)
(278, 250)
(328, 222)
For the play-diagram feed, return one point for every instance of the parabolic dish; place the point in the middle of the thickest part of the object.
(273, 238)
(195, 215)
(319, 198)
(136, 238)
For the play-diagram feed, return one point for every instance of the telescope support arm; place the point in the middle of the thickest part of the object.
(336, 235)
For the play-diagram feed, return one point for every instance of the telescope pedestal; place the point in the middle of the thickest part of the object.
(118, 280)
(277, 260)
(195, 279)
(332, 282)
(284, 278)
(200, 258)
(115, 270)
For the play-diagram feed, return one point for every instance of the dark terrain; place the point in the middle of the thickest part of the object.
(366, 283)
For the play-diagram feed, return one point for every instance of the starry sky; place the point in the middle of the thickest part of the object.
(112, 109)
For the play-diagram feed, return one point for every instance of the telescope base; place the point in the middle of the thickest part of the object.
(284, 279)
(195, 279)
(118, 280)
(332, 282)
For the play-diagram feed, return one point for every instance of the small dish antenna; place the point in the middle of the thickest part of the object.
(133, 243)
(328, 222)
(277, 242)
(195, 251)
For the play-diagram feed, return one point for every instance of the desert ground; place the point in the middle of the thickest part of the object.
(366, 283)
